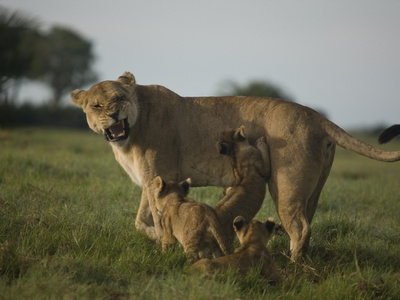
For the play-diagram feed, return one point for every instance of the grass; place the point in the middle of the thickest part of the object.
(67, 214)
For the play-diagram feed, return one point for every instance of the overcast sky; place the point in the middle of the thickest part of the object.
(342, 57)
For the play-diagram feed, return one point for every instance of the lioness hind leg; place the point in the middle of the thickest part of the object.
(295, 222)
(325, 170)
(291, 204)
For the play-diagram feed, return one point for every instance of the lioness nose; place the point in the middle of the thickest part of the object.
(114, 115)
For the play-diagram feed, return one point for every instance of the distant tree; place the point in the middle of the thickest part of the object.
(255, 88)
(65, 62)
(18, 40)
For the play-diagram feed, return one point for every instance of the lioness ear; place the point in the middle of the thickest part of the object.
(270, 224)
(159, 183)
(77, 97)
(127, 78)
(239, 134)
(238, 223)
(186, 185)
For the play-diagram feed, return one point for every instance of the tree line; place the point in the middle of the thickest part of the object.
(63, 60)
(60, 57)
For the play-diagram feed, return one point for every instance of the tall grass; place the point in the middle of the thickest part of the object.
(67, 214)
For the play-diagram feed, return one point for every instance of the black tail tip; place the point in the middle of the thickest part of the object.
(389, 133)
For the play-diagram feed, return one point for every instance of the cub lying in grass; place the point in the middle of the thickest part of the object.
(252, 253)
(201, 230)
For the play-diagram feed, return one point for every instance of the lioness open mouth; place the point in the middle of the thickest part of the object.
(118, 131)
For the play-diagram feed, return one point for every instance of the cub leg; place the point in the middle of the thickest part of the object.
(168, 238)
(168, 241)
(192, 246)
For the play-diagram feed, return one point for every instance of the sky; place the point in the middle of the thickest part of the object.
(341, 57)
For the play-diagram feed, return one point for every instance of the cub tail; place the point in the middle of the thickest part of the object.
(220, 237)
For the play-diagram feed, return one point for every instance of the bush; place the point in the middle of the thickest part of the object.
(29, 115)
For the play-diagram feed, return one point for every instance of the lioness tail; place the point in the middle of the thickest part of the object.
(389, 133)
(345, 140)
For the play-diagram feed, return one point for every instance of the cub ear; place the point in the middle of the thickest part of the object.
(227, 190)
(159, 184)
(77, 97)
(127, 78)
(223, 148)
(185, 185)
(239, 134)
(238, 223)
(270, 225)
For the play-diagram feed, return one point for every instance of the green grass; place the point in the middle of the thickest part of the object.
(67, 214)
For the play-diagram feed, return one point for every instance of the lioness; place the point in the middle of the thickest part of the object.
(195, 225)
(153, 131)
(253, 237)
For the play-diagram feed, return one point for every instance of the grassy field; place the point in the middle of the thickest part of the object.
(67, 214)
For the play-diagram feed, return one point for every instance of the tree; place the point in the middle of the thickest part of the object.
(65, 62)
(18, 36)
(255, 88)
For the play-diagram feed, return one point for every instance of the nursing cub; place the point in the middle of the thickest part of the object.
(200, 229)
(252, 253)
(251, 169)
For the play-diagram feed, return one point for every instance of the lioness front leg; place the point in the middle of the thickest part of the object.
(144, 219)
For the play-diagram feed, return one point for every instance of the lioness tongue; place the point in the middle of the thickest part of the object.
(117, 129)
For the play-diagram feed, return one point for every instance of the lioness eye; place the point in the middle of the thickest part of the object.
(97, 106)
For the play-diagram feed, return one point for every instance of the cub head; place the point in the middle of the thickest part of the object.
(167, 192)
(229, 138)
(234, 143)
(253, 231)
(111, 107)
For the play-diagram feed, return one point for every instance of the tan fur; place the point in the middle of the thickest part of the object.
(198, 227)
(251, 172)
(195, 225)
(174, 137)
(252, 253)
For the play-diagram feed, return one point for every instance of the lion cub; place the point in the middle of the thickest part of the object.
(195, 225)
(251, 169)
(252, 252)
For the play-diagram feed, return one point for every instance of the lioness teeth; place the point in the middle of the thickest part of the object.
(119, 134)
(117, 131)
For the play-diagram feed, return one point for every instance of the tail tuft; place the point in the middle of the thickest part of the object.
(388, 134)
